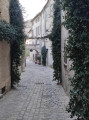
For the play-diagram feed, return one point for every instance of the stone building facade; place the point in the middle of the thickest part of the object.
(5, 79)
(41, 27)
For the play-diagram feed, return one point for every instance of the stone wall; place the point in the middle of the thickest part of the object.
(44, 21)
(5, 79)
(66, 74)
(4, 65)
(4, 10)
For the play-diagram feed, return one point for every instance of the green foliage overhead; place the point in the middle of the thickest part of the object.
(44, 54)
(56, 41)
(77, 23)
(16, 20)
(7, 32)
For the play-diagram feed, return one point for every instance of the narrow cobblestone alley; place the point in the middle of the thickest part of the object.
(37, 97)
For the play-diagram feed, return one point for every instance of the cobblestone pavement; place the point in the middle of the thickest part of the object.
(37, 97)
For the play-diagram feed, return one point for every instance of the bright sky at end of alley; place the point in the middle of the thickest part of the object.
(32, 7)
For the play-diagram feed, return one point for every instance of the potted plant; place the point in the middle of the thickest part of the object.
(39, 60)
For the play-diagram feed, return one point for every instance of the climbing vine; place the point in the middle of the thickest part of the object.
(56, 41)
(77, 23)
(16, 20)
(7, 32)
(44, 54)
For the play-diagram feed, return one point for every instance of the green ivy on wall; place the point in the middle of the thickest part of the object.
(16, 20)
(56, 41)
(7, 32)
(44, 54)
(77, 23)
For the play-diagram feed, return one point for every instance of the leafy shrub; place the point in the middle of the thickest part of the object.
(7, 32)
(44, 54)
(77, 23)
(17, 47)
(55, 37)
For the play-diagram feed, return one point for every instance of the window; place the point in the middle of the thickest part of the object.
(32, 33)
(51, 10)
(33, 42)
(32, 23)
(39, 30)
(38, 19)
(43, 14)
(46, 16)
(36, 31)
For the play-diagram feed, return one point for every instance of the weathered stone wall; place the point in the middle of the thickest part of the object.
(45, 27)
(4, 10)
(5, 79)
(66, 74)
(4, 65)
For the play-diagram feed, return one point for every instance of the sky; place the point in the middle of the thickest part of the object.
(32, 7)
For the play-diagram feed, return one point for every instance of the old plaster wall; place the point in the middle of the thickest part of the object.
(5, 79)
(66, 73)
(4, 10)
(4, 65)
